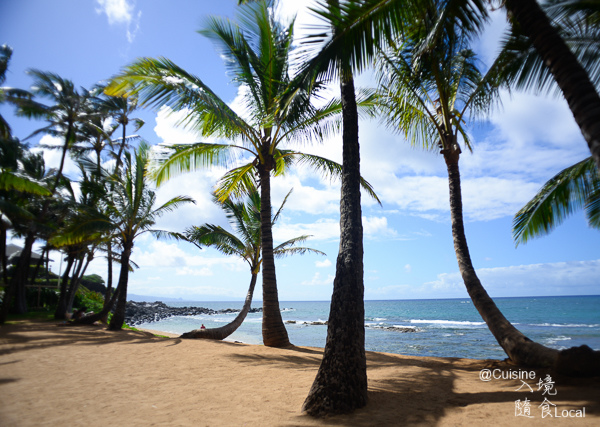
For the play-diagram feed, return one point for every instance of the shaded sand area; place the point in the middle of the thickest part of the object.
(54, 375)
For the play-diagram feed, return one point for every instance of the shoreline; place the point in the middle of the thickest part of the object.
(81, 375)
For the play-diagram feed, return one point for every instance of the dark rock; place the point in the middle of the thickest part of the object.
(137, 313)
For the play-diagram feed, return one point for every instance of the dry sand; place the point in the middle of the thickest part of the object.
(54, 375)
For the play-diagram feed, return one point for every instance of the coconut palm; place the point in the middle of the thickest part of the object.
(523, 66)
(573, 188)
(8, 94)
(347, 44)
(278, 111)
(432, 86)
(64, 118)
(245, 243)
(570, 76)
(132, 213)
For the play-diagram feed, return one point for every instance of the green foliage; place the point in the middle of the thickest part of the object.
(576, 187)
(92, 301)
(95, 278)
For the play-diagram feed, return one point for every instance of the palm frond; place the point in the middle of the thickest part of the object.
(569, 190)
(328, 169)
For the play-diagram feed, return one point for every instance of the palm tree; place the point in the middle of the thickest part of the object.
(278, 111)
(245, 243)
(432, 85)
(64, 117)
(355, 31)
(570, 76)
(8, 94)
(22, 199)
(132, 213)
(573, 188)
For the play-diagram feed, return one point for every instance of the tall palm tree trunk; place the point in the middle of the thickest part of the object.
(61, 306)
(341, 382)
(224, 331)
(118, 318)
(518, 347)
(16, 289)
(3, 232)
(571, 77)
(273, 329)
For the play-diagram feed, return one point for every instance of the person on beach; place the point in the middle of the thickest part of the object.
(79, 314)
(203, 327)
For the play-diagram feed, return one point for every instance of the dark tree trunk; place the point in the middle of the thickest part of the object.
(520, 349)
(109, 280)
(61, 306)
(118, 318)
(75, 285)
(341, 382)
(224, 331)
(3, 252)
(273, 329)
(571, 77)
(103, 315)
(21, 276)
(15, 294)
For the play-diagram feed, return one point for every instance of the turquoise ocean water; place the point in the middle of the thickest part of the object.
(443, 327)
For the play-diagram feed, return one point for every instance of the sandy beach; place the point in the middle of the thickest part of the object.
(59, 375)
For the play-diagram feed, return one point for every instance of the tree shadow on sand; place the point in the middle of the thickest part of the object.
(33, 335)
(425, 390)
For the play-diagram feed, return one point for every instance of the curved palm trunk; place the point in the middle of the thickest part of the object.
(517, 346)
(103, 315)
(118, 318)
(571, 77)
(75, 285)
(273, 329)
(341, 382)
(224, 331)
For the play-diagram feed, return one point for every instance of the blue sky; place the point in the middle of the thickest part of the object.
(408, 243)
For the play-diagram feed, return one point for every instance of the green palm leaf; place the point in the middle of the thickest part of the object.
(573, 188)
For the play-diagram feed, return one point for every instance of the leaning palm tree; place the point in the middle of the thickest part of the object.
(570, 76)
(431, 87)
(245, 243)
(573, 188)
(278, 111)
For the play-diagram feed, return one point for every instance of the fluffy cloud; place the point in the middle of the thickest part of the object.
(323, 264)
(560, 278)
(318, 280)
(121, 12)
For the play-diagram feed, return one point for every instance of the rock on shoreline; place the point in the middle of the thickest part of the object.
(137, 313)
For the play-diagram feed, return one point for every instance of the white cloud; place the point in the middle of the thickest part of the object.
(318, 280)
(121, 12)
(323, 264)
(186, 271)
(52, 156)
(559, 278)
(408, 268)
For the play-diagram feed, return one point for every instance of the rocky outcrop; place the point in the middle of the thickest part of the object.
(137, 313)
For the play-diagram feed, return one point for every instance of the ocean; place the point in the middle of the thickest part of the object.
(442, 327)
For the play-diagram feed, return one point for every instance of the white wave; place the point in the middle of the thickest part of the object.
(554, 340)
(567, 325)
(447, 322)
